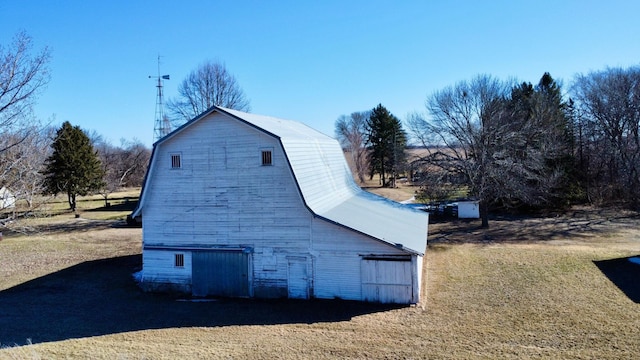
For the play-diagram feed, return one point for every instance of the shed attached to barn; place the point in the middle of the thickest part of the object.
(243, 205)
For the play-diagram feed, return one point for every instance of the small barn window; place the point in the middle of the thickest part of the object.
(176, 161)
(179, 260)
(266, 158)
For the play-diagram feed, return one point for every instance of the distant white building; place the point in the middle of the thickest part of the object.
(7, 199)
(468, 210)
(243, 205)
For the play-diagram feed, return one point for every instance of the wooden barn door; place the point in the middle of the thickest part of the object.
(220, 273)
(387, 281)
(297, 278)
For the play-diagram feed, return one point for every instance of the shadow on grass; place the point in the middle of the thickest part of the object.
(127, 205)
(575, 224)
(624, 274)
(100, 297)
(73, 225)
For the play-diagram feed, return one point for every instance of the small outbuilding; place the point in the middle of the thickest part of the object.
(7, 199)
(468, 210)
(243, 205)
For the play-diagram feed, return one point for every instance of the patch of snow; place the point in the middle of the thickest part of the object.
(635, 260)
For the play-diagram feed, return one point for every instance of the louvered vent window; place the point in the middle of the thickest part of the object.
(176, 162)
(266, 158)
(179, 260)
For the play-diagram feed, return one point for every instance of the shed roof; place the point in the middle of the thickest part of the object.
(327, 186)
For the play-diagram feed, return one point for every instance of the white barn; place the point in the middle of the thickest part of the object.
(243, 205)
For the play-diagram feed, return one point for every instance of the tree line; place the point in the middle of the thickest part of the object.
(506, 144)
(512, 145)
(67, 161)
(38, 160)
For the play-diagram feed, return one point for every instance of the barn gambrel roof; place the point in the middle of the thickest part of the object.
(326, 184)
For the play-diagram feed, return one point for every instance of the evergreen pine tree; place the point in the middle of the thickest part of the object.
(387, 141)
(539, 114)
(74, 167)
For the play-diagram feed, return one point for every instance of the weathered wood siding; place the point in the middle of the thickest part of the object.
(338, 256)
(223, 196)
(165, 275)
(387, 281)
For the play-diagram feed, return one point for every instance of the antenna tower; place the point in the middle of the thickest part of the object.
(162, 125)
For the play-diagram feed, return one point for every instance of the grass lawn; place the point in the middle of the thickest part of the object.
(526, 288)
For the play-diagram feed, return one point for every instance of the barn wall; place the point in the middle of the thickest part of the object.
(222, 195)
(222, 192)
(337, 260)
(160, 273)
(417, 267)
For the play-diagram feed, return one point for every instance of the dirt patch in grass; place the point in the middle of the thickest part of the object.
(526, 288)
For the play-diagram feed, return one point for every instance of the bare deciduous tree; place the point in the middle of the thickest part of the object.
(22, 163)
(351, 132)
(22, 76)
(463, 121)
(23, 145)
(484, 143)
(609, 133)
(123, 166)
(210, 84)
(134, 160)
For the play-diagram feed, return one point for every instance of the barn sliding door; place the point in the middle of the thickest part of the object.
(220, 273)
(387, 281)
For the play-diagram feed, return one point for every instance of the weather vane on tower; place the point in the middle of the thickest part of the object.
(162, 124)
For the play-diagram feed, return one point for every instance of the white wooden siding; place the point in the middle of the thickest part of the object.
(416, 268)
(387, 281)
(159, 266)
(236, 204)
(338, 255)
(337, 276)
(223, 196)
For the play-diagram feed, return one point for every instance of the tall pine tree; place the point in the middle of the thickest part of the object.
(387, 141)
(541, 107)
(74, 167)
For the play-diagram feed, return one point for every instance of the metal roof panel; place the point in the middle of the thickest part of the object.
(328, 188)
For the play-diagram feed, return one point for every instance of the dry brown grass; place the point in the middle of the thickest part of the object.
(524, 289)
(402, 191)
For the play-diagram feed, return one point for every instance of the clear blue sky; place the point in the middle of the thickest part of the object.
(310, 61)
